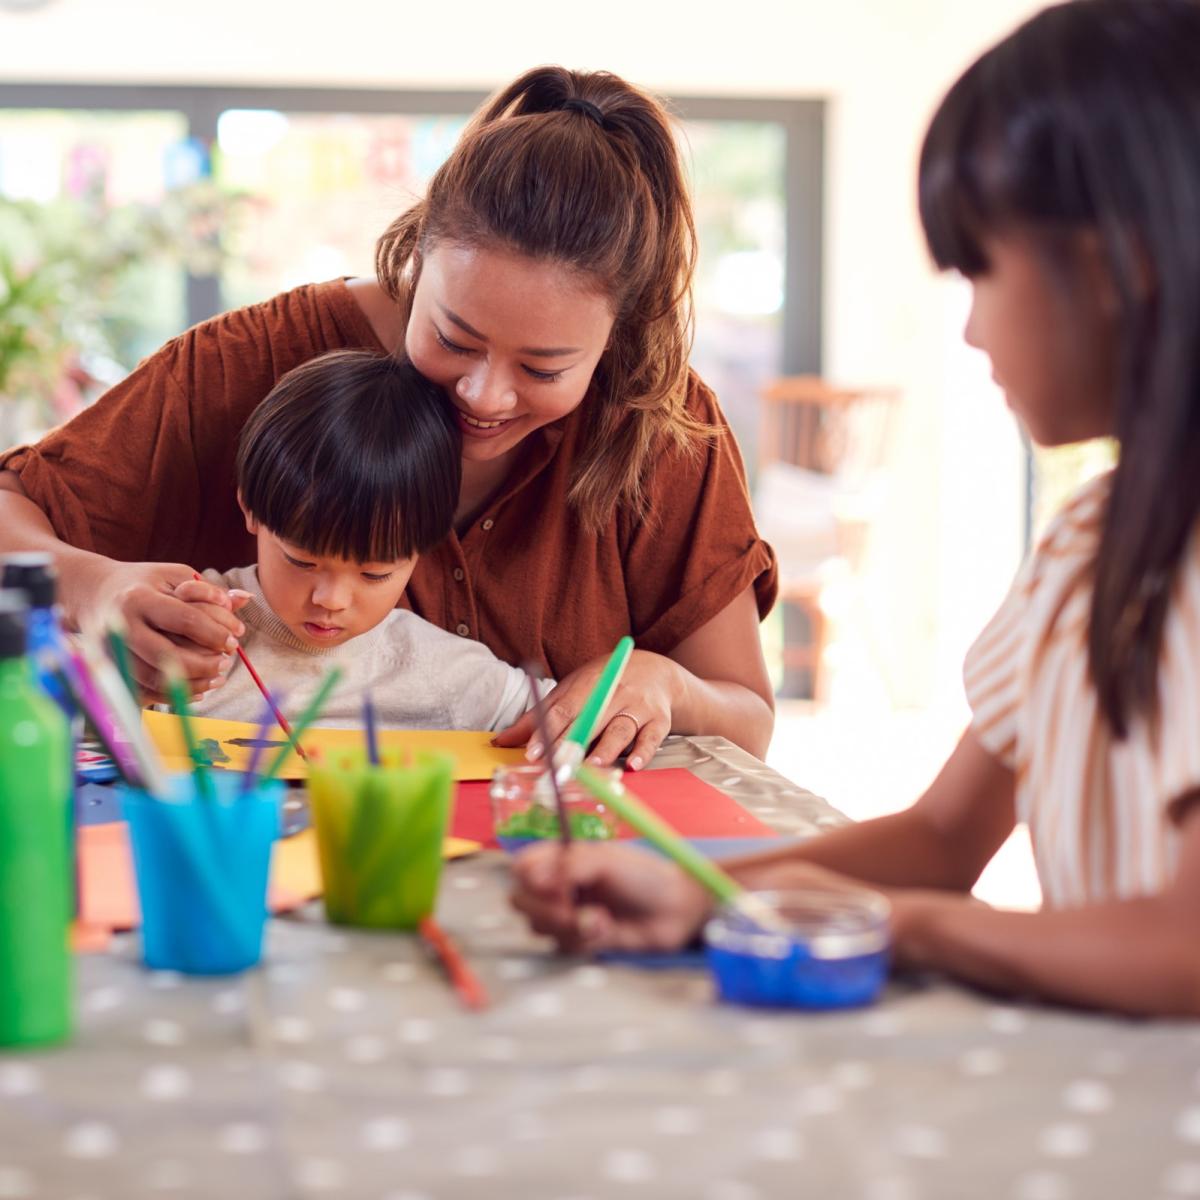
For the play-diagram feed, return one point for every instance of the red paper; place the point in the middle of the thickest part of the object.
(690, 806)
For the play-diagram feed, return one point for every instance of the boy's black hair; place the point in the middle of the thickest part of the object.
(1087, 118)
(353, 455)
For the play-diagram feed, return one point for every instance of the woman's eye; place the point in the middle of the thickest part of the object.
(447, 344)
(543, 376)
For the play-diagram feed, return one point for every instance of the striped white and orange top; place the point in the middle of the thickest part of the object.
(1098, 808)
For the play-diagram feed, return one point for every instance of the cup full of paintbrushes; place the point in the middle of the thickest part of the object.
(380, 827)
(202, 854)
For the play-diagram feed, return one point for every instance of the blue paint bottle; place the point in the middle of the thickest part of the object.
(34, 575)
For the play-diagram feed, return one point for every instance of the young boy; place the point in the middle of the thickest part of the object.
(346, 472)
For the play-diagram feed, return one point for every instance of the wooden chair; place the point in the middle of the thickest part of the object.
(834, 437)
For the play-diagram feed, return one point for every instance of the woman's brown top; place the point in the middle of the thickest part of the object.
(147, 474)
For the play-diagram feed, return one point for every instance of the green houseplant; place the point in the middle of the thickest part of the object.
(87, 288)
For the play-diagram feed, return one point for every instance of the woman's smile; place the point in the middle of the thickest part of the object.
(476, 427)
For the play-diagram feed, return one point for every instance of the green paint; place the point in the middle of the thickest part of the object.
(211, 752)
(542, 823)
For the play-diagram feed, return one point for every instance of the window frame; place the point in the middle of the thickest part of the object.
(803, 122)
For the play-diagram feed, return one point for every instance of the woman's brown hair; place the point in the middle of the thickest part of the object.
(581, 169)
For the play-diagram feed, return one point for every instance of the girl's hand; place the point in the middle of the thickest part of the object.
(637, 718)
(169, 613)
(594, 896)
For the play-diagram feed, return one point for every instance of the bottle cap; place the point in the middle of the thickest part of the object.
(14, 615)
(32, 573)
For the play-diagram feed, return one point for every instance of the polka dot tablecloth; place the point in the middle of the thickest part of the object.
(345, 1068)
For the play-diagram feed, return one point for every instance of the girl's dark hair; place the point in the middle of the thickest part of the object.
(353, 455)
(1087, 118)
(583, 170)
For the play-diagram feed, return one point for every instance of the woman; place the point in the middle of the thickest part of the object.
(545, 284)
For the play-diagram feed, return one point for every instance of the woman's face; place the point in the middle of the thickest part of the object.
(1051, 338)
(513, 340)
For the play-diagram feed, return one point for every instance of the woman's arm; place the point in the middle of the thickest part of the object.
(92, 586)
(24, 527)
(722, 682)
(713, 682)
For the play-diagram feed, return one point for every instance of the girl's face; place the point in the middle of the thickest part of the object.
(513, 340)
(1051, 336)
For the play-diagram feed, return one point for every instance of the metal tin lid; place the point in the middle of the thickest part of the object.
(32, 573)
(828, 924)
(14, 617)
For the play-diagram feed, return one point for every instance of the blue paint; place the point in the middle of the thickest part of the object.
(836, 958)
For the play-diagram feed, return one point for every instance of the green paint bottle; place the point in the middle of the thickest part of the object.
(35, 900)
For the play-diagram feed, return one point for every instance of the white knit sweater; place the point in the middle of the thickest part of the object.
(418, 676)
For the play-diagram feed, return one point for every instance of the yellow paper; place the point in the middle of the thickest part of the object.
(473, 754)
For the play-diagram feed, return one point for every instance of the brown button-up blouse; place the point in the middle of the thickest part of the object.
(147, 474)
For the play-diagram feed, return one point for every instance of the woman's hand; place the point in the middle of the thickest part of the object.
(167, 612)
(637, 718)
(594, 896)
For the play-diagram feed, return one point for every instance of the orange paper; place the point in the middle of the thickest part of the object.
(108, 892)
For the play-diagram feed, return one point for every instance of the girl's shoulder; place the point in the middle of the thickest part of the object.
(1074, 531)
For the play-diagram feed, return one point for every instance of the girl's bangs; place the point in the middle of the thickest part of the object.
(958, 208)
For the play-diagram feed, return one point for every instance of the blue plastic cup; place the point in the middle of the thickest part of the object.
(202, 867)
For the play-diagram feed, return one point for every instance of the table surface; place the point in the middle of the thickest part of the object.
(345, 1068)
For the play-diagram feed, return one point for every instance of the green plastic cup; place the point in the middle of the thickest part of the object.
(380, 831)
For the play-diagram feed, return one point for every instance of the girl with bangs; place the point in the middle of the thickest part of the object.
(1061, 176)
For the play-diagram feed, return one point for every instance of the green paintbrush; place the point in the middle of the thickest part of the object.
(119, 648)
(702, 869)
(307, 717)
(177, 691)
(583, 728)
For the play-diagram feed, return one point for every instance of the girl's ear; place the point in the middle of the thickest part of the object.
(1096, 272)
(251, 523)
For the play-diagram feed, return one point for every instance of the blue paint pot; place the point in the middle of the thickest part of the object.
(835, 956)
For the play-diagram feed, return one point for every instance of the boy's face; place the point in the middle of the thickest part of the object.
(326, 601)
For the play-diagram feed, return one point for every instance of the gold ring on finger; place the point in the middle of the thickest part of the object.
(637, 725)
